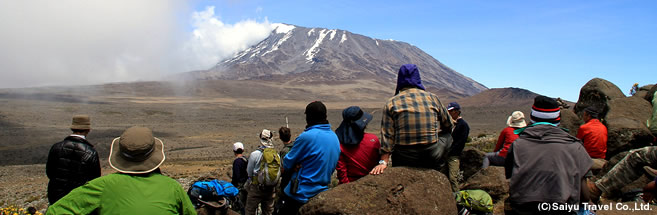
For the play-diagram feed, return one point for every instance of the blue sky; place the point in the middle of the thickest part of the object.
(549, 47)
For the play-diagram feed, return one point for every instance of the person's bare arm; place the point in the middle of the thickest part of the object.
(378, 169)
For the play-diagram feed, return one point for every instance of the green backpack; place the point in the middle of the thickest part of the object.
(269, 173)
(477, 200)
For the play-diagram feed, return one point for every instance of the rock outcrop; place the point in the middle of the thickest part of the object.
(570, 121)
(492, 180)
(624, 117)
(399, 190)
(644, 91)
(471, 161)
(597, 92)
(626, 124)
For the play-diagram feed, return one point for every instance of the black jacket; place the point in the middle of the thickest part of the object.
(71, 163)
(459, 137)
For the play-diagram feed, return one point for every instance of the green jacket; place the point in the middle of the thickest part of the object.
(119, 193)
(652, 122)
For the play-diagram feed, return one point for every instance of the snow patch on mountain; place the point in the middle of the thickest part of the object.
(310, 53)
(279, 43)
(283, 28)
(332, 34)
(344, 37)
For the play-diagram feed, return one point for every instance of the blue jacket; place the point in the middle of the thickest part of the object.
(317, 150)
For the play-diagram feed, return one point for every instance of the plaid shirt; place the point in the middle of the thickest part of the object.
(413, 117)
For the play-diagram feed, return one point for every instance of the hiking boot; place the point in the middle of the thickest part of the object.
(650, 171)
(594, 191)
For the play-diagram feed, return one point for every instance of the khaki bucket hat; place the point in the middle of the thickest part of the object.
(136, 151)
(81, 122)
(516, 120)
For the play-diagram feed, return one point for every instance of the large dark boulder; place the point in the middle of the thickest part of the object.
(597, 92)
(470, 162)
(399, 190)
(570, 121)
(626, 124)
(492, 180)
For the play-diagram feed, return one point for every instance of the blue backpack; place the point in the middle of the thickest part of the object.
(211, 191)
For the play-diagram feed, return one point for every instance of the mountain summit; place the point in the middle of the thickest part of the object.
(309, 56)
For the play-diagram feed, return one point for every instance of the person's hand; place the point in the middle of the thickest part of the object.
(648, 191)
(647, 197)
(378, 169)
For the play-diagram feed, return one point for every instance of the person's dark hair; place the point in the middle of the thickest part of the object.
(79, 130)
(592, 111)
(238, 151)
(285, 134)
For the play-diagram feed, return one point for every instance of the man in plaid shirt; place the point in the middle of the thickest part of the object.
(416, 128)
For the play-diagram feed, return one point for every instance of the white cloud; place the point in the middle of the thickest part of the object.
(213, 40)
(71, 42)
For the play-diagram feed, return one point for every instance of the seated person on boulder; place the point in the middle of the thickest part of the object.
(359, 151)
(514, 122)
(652, 122)
(546, 164)
(416, 128)
(625, 172)
(594, 137)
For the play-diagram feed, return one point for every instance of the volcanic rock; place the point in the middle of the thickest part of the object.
(651, 93)
(399, 190)
(597, 92)
(643, 91)
(626, 126)
(570, 121)
(470, 162)
(491, 179)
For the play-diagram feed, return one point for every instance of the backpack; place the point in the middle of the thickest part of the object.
(269, 173)
(211, 191)
(474, 200)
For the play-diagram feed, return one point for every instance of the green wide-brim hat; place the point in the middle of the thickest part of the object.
(136, 151)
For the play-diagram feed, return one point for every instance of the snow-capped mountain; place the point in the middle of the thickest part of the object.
(306, 56)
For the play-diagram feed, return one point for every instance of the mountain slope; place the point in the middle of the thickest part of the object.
(511, 97)
(308, 56)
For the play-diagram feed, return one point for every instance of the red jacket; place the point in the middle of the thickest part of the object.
(504, 141)
(594, 137)
(358, 160)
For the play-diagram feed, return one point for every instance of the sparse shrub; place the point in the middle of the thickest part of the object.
(14, 210)
(483, 142)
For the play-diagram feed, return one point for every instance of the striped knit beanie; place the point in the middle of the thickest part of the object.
(545, 109)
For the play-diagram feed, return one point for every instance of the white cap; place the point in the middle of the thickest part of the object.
(238, 145)
(265, 138)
